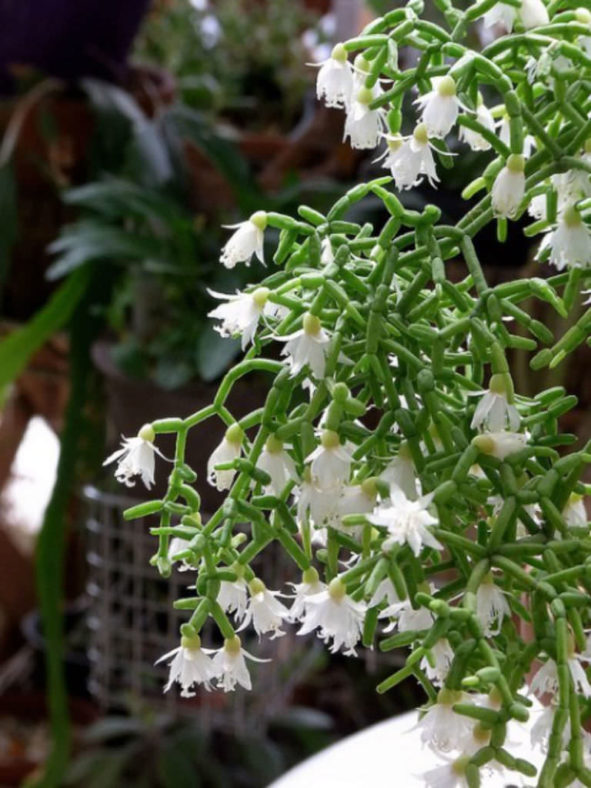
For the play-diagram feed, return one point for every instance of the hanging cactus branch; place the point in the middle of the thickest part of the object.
(424, 502)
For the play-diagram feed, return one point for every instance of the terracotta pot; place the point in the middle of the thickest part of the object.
(132, 402)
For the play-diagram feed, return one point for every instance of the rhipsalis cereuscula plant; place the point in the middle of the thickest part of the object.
(424, 502)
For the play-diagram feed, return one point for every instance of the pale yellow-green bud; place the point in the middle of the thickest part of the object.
(259, 219)
(516, 163)
(337, 589)
(235, 434)
(420, 134)
(312, 324)
(339, 53)
(447, 86)
(147, 433)
(330, 439)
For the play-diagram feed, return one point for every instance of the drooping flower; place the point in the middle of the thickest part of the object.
(385, 590)
(494, 411)
(474, 138)
(241, 314)
(533, 13)
(190, 665)
(575, 513)
(136, 458)
(230, 664)
(439, 107)
(407, 521)
(569, 244)
(509, 187)
(400, 473)
(233, 597)
(355, 499)
(500, 444)
(334, 83)
(411, 160)
(442, 728)
(228, 450)
(406, 618)
(363, 126)
(491, 606)
(450, 774)
(336, 616)
(442, 655)
(331, 462)
(310, 585)
(265, 611)
(542, 728)
(501, 13)
(307, 347)
(275, 461)
(314, 503)
(247, 240)
(546, 679)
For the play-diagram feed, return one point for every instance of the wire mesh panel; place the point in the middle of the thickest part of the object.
(132, 623)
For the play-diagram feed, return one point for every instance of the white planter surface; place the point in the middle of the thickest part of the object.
(390, 755)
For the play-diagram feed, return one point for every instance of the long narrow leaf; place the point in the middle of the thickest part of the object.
(18, 347)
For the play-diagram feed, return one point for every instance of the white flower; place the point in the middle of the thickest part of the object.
(310, 585)
(264, 610)
(494, 412)
(501, 13)
(500, 444)
(315, 503)
(509, 187)
(363, 125)
(385, 590)
(241, 313)
(407, 521)
(334, 83)
(354, 499)
(178, 545)
(336, 616)
(473, 138)
(275, 461)
(190, 665)
(331, 462)
(307, 347)
(233, 597)
(505, 136)
(442, 654)
(546, 679)
(569, 243)
(574, 513)
(400, 474)
(491, 607)
(406, 618)
(537, 207)
(136, 458)
(442, 728)
(542, 728)
(246, 241)
(411, 160)
(230, 664)
(533, 13)
(227, 451)
(451, 774)
(440, 107)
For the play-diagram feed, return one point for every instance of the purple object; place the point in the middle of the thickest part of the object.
(69, 38)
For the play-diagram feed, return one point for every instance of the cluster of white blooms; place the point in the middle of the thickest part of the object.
(413, 513)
